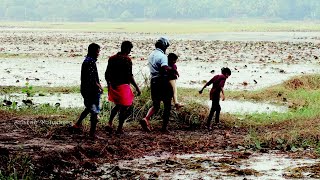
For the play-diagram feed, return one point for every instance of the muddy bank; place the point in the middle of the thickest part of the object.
(55, 152)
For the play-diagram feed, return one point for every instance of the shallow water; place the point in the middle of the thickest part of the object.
(275, 164)
(64, 100)
(259, 59)
(248, 107)
(211, 166)
(75, 100)
(193, 74)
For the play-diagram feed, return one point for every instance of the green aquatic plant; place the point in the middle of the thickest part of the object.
(28, 89)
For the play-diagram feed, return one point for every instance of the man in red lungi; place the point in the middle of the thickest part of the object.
(119, 77)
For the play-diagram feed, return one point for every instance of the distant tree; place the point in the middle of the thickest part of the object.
(125, 16)
(16, 13)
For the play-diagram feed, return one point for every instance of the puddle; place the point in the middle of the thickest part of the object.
(247, 107)
(206, 166)
(275, 164)
(64, 100)
(75, 100)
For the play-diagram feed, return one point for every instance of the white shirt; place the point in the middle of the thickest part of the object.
(157, 59)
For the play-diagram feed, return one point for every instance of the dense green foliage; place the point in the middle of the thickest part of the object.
(95, 10)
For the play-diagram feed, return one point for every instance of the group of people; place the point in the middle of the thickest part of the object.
(119, 77)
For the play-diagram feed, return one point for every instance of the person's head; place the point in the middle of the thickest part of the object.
(162, 43)
(226, 71)
(93, 50)
(126, 47)
(172, 58)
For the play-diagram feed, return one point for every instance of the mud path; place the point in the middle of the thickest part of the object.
(55, 152)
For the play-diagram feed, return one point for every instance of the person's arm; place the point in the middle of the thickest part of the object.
(207, 84)
(93, 78)
(100, 87)
(176, 70)
(107, 75)
(222, 93)
(221, 84)
(133, 82)
(166, 68)
(164, 64)
(131, 78)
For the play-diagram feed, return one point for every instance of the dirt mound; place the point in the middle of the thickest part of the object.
(295, 84)
(304, 82)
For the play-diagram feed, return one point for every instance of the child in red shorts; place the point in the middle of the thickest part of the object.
(217, 82)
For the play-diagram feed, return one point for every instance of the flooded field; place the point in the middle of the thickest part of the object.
(54, 58)
(76, 101)
(44, 57)
(66, 72)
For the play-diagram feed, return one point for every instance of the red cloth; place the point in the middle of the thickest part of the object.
(121, 95)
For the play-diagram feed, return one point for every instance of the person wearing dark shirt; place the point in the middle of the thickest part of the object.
(90, 89)
(119, 77)
(217, 82)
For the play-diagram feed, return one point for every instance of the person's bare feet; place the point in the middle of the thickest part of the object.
(145, 125)
(95, 137)
(75, 129)
(178, 106)
(108, 129)
(119, 131)
(208, 127)
(165, 130)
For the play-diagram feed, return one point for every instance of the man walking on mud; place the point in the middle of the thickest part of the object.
(161, 89)
(91, 89)
(119, 77)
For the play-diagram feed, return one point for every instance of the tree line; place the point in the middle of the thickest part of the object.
(97, 10)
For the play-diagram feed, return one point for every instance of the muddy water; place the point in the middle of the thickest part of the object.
(209, 166)
(61, 100)
(76, 101)
(247, 107)
(256, 59)
(66, 72)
